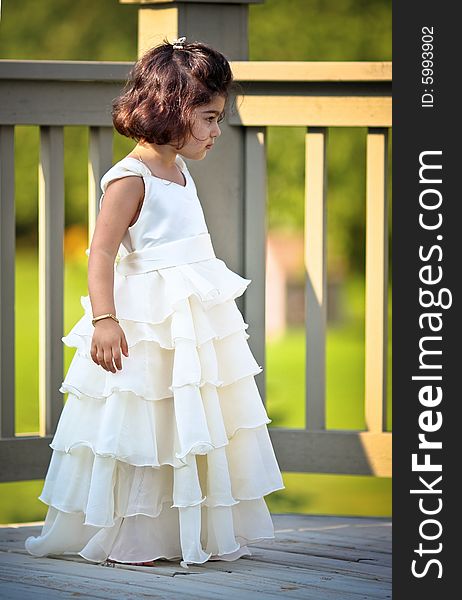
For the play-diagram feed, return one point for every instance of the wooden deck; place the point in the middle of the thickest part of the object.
(312, 557)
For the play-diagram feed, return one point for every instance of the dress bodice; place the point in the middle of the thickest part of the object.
(169, 212)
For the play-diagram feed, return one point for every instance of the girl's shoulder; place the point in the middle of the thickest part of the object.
(126, 167)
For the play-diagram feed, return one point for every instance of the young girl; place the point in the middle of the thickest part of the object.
(162, 449)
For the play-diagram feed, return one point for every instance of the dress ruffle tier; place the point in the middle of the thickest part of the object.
(169, 457)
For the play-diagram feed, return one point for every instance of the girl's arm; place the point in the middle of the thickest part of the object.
(118, 209)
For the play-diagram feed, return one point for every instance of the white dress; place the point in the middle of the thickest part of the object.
(169, 457)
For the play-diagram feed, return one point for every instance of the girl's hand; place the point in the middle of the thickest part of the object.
(108, 339)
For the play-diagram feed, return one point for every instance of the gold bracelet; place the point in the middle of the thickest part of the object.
(93, 321)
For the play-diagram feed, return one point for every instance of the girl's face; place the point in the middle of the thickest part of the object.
(205, 128)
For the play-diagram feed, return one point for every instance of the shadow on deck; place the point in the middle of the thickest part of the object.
(312, 557)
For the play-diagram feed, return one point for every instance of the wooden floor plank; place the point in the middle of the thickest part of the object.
(337, 552)
(105, 582)
(329, 538)
(313, 557)
(13, 590)
(133, 583)
(323, 564)
(332, 582)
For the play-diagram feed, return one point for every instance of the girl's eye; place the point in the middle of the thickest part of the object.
(218, 118)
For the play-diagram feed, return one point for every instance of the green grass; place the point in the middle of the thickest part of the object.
(285, 378)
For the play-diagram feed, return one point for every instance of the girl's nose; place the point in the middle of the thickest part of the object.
(217, 130)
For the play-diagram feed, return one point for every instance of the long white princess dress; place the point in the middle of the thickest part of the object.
(169, 457)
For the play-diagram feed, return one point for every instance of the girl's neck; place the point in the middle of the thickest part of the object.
(157, 165)
(164, 158)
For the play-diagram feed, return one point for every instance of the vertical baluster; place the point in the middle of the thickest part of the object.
(100, 160)
(255, 243)
(315, 285)
(7, 282)
(376, 280)
(51, 237)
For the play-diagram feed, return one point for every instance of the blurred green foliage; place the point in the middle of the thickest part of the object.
(278, 30)
(320, 30)
(68, 30)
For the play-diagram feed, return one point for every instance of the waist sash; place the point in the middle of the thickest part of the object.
(171, 254)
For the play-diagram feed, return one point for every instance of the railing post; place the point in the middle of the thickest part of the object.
(221, 23)
(255, 234)
(376, 280)
(51, 267)
(7, 277)
(224, 25)
(316, 276)
(99, 161)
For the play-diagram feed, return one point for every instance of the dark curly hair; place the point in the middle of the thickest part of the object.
(163, 89)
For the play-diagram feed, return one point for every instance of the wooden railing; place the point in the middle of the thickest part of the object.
(316, 96)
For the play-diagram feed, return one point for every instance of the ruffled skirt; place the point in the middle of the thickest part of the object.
(169, 457)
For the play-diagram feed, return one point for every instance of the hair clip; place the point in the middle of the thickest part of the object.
(179, 43)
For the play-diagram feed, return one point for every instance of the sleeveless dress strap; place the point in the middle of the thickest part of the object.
(182, 163)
